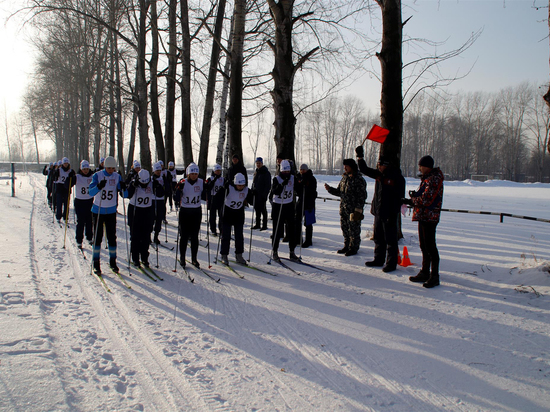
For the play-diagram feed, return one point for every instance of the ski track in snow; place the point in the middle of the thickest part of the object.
(348, 340)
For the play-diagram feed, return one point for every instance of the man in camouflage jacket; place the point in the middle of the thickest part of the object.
(427, 201)
(352, 191)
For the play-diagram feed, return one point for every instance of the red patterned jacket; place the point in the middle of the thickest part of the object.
(427, 200)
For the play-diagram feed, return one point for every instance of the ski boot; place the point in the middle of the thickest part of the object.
(112, 264)
(97, 268)
(239, 258)
(224, 260)
(293, 257)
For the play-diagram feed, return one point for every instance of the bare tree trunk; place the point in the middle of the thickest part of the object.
(141, 88)
(283, 73)
(185, 85)
(118, 109)
(223, 105)
(210, 89)
(234, 113)
(112, 125)
(132, 143)
(153, 74)
(171, 82)
(547, 94)
(390, 57)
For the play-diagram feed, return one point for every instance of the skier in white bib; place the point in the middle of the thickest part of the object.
(189, 195)
(238, 196)
(105, 187)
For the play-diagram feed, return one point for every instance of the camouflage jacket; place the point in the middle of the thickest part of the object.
(352, 190)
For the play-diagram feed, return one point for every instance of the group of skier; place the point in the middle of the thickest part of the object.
(292, 194)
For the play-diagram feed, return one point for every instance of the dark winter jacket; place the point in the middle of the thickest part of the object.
(237, 168)
(306, 191)
(261, 183)
(389, 189)
(427, 200)
(64, 188)
(352, 191)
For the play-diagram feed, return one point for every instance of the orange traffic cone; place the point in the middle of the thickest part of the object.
(405, 261)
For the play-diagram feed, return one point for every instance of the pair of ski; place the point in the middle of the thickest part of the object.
(147, 271)
(235, 272)
(99, 276)
(300, 262)
(201, 270)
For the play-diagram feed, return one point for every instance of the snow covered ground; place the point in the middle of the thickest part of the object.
(352, 339)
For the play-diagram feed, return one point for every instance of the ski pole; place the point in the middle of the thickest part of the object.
(251, 224)
(221, 225)
(126, 234)
(302, 216)
(67, 211)
(276, 232)
(208, 238)
(177, 241)
(54, 201)
(95, 231)
(156, 244)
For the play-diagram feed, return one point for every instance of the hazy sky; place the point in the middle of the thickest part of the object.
(513, 47)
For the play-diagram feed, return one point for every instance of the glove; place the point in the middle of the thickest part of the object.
(356, 216)
(286, 180)
(122, 186)
(412, 193)
(407, 202)
(360, 152)
(102, 184)
(72, 174)
(155, 183)
(135, 182)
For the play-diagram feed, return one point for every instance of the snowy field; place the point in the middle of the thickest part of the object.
(352, 339)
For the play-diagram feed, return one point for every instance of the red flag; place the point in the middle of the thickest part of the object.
(378, 134)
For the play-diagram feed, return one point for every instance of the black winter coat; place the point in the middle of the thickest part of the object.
(237, 168)
(306, 191)
(261, 183)
(389, 189)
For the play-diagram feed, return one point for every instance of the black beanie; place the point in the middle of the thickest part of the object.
(426, 161)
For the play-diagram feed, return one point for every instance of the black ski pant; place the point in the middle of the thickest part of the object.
(190, 225)
(83, 210)
(109, 221)
(140, 221)
(62, 201)
(160, 210)
(226, 237)
(215, 216)
(260, 209)
(286, 218)
(385, 240)
(428, 246)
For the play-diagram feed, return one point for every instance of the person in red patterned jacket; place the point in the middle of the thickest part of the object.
(427, 201)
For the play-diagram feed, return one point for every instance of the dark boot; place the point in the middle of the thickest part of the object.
(97, 268)
(421, 277)
(433, 281)
(112, 264)
(344, 250)
(374, 263)
(309, 235)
